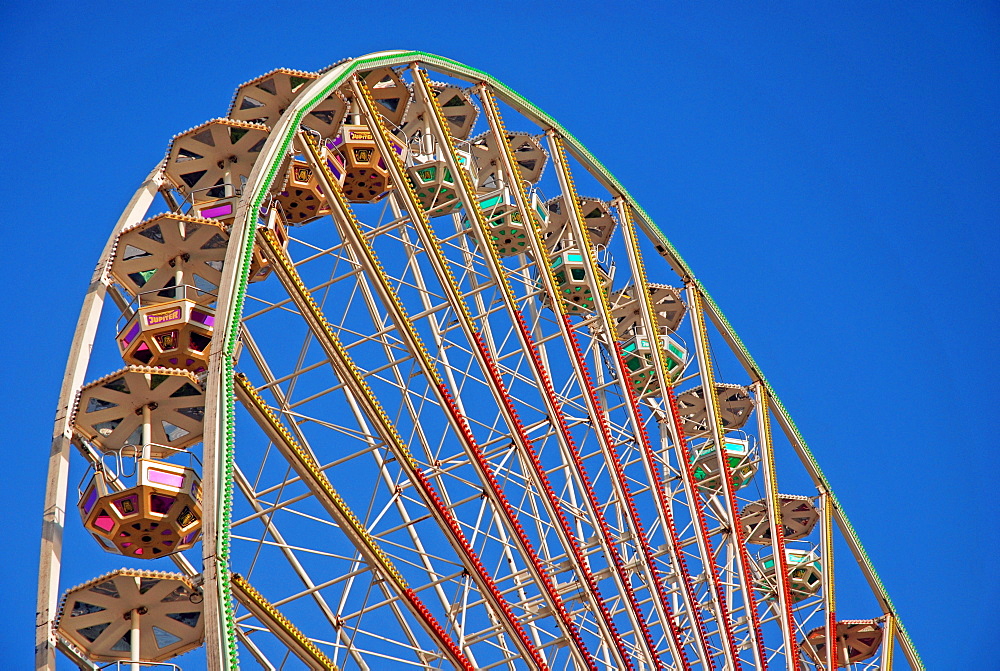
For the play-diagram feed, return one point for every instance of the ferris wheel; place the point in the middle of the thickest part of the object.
(410, 381)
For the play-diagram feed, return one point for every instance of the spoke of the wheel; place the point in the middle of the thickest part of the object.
(732, 512)
(776, 530)
(483, 355)
(349, 373)
(307, 469)
(829, 595)
(279, 625)
(659, 364)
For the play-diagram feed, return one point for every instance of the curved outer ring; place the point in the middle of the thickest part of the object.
(54, 512)
(220, 398)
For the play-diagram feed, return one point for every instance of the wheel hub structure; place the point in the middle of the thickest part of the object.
(411, 381)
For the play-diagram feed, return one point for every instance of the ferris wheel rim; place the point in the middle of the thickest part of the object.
(328, 80)
(219, 391)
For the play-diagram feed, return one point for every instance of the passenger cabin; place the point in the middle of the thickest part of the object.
(214, 159)
(733, 403)
(529, 157)
(159, 515)
(856, 640)
(667, 305)
(163, 609)
(170, 250)
(435, 185)
(805, 575)
(301, 198)
(389, 93)
(459, 112)
(798, 518)
(597, 219)
(173, 334)
(504, 221)
(570, 268)
(637, 353)
(705, 464)
(263, 100)
(366, 174)
(140, 407)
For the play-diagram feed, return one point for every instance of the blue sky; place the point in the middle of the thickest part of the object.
(830, 172)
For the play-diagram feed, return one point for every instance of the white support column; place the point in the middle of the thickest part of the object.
(147, 432)
(135, 639)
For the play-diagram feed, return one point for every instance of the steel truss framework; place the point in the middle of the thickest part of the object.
(415, 454)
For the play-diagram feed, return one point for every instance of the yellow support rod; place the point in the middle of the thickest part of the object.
(598, 289)
(777, 529)
(829, 593)
(530, 217)
(313, 476)
(606, 321)
(888, 642)
(279, 625)
(705, 369)
(549, 500)
(351, 376)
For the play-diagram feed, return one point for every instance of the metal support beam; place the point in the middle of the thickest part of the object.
(351, 231)
(777, 529)
(725, 477)
(54, 511)
(673, 430)
(280, 626)
(829, 590)
(483, 356)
